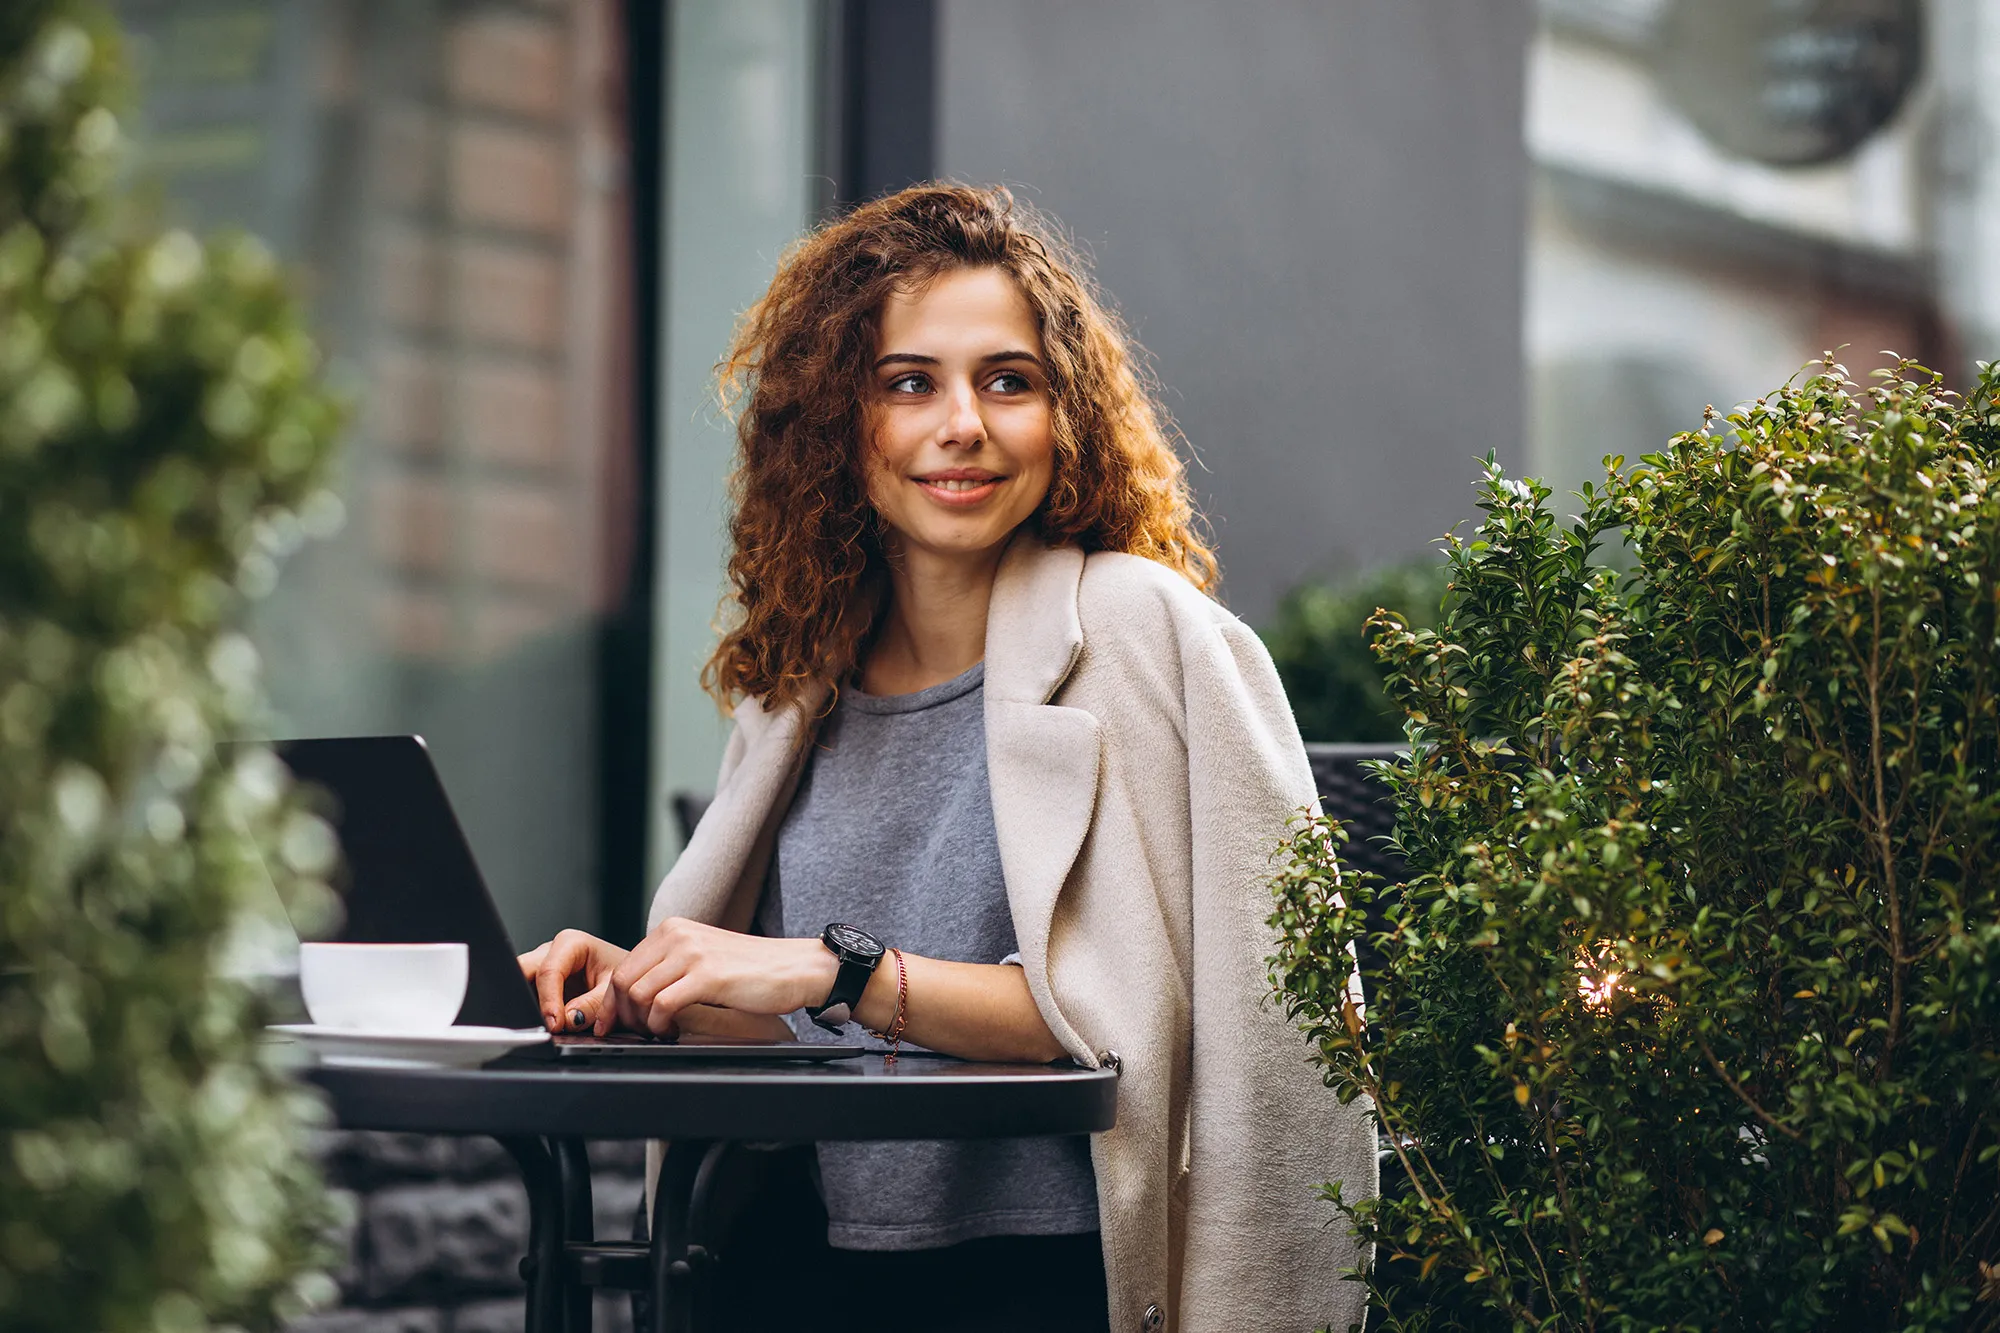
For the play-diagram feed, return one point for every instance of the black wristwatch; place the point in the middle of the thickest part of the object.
(858, 952)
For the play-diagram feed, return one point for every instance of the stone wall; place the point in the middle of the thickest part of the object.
(438, 1228)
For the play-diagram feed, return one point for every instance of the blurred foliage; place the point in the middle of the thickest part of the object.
(1689, 1014)
(163, 440)
(1319, 643)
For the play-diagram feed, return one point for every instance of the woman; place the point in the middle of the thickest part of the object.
(988, 720)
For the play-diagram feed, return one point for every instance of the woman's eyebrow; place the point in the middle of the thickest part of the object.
(919, 359)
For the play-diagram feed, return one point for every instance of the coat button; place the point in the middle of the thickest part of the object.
(1152, 1321)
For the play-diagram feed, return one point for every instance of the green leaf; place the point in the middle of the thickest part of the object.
(1667, 822)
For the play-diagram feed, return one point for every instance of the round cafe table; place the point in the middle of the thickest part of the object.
(715, 1116)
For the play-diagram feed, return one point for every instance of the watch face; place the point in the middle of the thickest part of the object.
(853, 939)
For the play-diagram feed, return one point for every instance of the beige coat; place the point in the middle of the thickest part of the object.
(1144, 763)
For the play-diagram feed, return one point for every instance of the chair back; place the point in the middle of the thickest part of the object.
(1360, 800)
(1353, 795)
(689, 807)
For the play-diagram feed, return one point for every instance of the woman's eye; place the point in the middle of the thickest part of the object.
(1010, 381)
(912, 383)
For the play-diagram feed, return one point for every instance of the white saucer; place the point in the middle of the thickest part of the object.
(446, 1048)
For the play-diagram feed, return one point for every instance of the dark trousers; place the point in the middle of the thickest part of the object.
(778, 1273)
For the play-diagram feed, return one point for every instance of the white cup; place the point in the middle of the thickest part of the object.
(383, 987)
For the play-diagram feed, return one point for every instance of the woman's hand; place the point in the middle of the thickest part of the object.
(550, 968)
(682, 963)
(709, 979)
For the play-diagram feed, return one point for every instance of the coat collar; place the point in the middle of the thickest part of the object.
(1034, 634)
(1043, 760)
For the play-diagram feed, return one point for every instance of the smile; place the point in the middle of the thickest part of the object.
(959, 489)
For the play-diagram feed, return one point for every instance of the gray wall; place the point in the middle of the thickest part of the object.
(739, 189)
(1311, 211)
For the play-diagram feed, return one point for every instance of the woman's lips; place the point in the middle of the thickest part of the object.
(959, 492)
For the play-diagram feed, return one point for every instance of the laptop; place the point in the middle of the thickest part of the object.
(410, 878)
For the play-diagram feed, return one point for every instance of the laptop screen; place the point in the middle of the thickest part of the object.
(409, 876)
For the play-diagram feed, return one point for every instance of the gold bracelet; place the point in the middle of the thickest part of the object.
(894, 1036)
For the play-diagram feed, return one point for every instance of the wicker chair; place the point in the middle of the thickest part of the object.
(1353, 795)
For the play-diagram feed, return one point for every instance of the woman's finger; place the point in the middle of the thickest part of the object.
(593, 1011)
(561, 957)
(663, 1014)
(662, 943)
(641, 989)
(531, 961)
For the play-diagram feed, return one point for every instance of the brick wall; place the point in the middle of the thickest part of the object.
(492, 246)
(469, 263)
(439, 1227)
(449, 180)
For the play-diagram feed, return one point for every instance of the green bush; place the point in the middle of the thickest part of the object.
(1689, 1014)
(1319, 643)
(162, 442)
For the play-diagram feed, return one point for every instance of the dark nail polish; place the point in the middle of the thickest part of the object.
(576, 1018)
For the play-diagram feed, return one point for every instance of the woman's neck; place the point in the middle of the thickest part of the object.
(935, 625)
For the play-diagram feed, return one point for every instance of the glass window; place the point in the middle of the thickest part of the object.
(1723, 191)
(741, 100)
(450, 179)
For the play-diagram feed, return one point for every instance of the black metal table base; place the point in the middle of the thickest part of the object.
(702, 1186)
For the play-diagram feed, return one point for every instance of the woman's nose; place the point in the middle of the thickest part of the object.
(963, 425)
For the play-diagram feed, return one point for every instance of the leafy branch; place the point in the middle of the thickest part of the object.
(1692, 987)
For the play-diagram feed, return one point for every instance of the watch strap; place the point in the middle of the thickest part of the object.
(832, 1017)
(848, 983)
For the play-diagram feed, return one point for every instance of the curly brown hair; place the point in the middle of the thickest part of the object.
(807, 572)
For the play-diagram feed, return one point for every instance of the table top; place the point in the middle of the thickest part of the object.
(918, 1097)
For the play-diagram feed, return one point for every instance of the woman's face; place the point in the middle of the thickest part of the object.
(959, 415)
